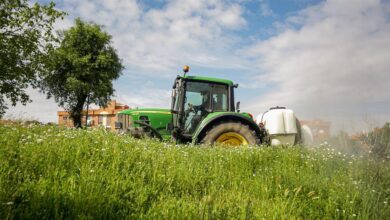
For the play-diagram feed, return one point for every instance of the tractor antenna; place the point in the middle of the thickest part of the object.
(186, 69)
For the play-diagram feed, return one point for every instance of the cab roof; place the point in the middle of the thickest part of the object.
(210, 79)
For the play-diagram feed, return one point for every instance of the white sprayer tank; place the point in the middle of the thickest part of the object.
(281, 125)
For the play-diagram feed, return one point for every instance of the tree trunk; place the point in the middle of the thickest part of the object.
(76, 112)
(77, 119)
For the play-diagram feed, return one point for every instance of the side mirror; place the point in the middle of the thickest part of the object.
(238, 106)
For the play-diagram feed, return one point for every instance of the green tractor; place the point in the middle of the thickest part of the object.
(202, 111)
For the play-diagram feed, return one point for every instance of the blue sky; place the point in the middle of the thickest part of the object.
(323, 59)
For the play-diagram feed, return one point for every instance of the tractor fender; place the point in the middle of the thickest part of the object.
(214, 118)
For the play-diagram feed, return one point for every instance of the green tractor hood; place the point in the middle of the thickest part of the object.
(157, 118)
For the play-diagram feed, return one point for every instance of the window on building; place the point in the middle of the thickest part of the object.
(64, 118)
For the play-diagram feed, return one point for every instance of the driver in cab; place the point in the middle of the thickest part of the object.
(204, 109)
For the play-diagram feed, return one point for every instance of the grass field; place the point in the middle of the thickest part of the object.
(52, 172)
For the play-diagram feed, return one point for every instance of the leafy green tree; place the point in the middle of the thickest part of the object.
(26, 36)
(82, 68)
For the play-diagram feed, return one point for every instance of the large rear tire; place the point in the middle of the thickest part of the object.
(231, 134)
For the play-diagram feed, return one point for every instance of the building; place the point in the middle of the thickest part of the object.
(96, 117)
(319, 128)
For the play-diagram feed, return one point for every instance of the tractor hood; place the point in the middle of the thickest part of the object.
(157, 118)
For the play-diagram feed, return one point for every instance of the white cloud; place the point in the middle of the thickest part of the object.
(42, 109)
(160, 39)
(335, 65)
(148, 97)
(265, 10)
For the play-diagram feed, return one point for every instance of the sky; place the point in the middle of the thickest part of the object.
(324, 59)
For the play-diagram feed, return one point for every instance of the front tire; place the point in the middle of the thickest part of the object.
(231, 134)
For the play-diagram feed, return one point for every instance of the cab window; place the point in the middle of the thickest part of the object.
(220, 98)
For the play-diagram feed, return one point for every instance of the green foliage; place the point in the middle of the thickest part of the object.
(49, 172)
(83, 67)
(25, 39)
(379, 139)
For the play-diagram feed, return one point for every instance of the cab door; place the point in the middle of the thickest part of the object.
(201, 99)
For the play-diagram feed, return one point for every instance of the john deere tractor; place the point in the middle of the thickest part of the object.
(202, 111)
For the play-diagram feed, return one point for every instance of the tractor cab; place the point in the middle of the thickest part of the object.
(194, 98)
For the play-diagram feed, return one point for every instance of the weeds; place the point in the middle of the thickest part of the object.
(52, 172)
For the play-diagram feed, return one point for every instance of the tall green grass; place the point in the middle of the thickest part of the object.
(52, 172)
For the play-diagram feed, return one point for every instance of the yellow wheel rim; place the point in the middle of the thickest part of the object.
(232, 139)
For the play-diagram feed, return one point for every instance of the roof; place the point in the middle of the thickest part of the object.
(112, 108)
(210, 79)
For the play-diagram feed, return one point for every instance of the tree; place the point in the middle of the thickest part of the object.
(26, 36)
(82, 67)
